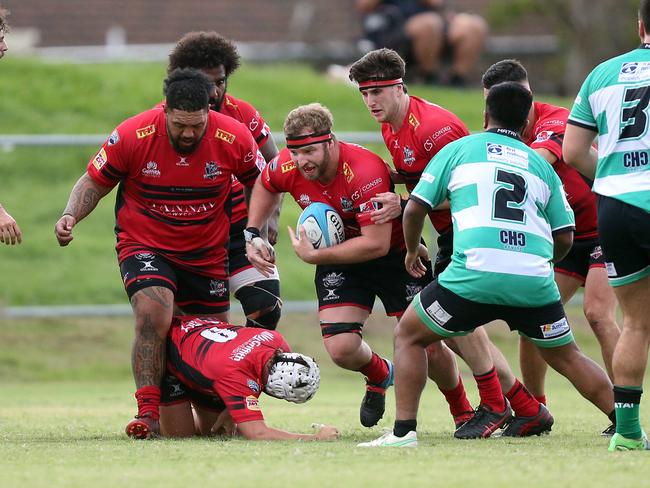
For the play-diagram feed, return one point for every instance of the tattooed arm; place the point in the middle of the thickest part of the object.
(83, 199)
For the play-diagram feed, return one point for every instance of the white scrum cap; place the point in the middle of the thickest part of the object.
(293, 377)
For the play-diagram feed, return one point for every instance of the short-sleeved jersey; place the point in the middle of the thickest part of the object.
(245, 113)
(614, 102)
(361, 175)
(426, 129)
(506, 203)
(216, 358)
(548, 133)
(175, 204)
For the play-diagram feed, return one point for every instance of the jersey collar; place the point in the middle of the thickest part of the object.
(505, 132)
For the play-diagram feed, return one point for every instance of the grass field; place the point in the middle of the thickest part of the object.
(92, 99)
(66, 395)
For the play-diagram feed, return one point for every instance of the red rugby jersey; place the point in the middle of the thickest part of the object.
(245, 113)
(221, 359)
(548, 133)
(426, 129)
(174, 204)
(361, 175)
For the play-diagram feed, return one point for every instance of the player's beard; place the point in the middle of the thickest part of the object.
(319, 169)
(186, 149)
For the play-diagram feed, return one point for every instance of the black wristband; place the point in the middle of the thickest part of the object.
(251, 233)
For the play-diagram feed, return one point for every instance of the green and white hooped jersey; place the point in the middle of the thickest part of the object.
(506, 201)
(615, 101)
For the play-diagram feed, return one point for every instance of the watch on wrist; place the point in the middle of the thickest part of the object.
(251, 233)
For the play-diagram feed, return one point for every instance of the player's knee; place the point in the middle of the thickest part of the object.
(261, 304)
(342, 340)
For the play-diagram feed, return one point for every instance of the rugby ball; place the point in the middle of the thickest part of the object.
(323, 225)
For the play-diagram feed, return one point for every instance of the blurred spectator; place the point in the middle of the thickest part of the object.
(426, 33)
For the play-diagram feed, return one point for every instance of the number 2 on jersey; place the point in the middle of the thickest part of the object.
(509, 197)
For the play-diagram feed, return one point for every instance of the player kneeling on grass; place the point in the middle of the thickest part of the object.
(218, 371)
(511, 221)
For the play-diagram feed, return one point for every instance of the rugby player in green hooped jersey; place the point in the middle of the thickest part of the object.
(613, 105)
(511, 222)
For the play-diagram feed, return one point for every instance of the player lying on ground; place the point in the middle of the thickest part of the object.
(511, 221)
(219, 370)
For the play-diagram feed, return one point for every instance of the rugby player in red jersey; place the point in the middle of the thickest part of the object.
(219, 370)
(218, 58)
(316, 167)
(414, 130)
(585, 264)
(174, 167)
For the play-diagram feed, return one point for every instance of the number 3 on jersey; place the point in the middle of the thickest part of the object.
(634, 115)
(509, 197)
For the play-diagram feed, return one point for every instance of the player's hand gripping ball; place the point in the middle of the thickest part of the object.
(322, 224)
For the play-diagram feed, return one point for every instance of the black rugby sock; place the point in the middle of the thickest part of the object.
(403, 427)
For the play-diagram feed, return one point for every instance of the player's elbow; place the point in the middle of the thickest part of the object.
(253, 431)
(562, 243)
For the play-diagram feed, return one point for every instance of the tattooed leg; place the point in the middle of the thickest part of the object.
(153, 309)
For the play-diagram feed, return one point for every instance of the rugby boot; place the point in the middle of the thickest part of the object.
(539, 424)
(374, 401)
(483, 423)
(143, 427)
(391, 440)
(620, 443)
(461, 418)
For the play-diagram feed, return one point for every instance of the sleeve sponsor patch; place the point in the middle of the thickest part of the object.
(114, 138)
(225, 136)
(252, 403)
(145, 131)
(369, 207)
(545, 135)
(347, 172)
(288, 166)
(100, 159)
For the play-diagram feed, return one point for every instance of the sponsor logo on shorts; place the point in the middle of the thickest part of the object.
(253, 385)
(145, 131)
(331, 282)
(438, 314)
(100, 159)
(211, 170)
(408, 159)
(114, 138)
(177, 389)
(252, 403)
(596, 253)
(146, 259)
(412, 289)
(611, 270)
(217, 288)
(151, 170)
(225, 136)
(555, 329)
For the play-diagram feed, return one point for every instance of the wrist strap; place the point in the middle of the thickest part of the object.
(251, 233)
